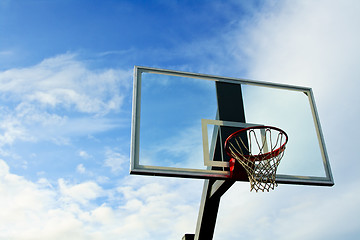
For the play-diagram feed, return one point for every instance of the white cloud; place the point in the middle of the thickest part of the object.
(84, 154)
(104, 215)
(12, 129)
(154, 204)
(80, 168)
(306, 43)
(27, 123)
(65, 82)
(141, 208)
(42, 94)
(81, 193)
(289, 212)
(115, 160)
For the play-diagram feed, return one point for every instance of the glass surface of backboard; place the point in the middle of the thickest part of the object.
(175, 126)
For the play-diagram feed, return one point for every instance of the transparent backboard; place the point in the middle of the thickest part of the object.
(176, 122)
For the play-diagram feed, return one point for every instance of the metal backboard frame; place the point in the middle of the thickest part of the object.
(142, 169)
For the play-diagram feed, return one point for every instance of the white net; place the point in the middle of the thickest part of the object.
(259, 151)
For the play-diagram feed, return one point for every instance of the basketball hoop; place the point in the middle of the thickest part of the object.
(259, 150)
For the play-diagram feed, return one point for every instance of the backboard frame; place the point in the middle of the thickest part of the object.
(137, 168)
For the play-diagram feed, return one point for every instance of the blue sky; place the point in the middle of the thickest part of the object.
(65, 114)
(136, 28)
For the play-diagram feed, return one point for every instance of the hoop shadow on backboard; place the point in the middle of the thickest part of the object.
(176, 126)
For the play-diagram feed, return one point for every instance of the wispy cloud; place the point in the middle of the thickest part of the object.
(115, 160)
(81, 193)
(6, 53)
(38, 101)
(84, 154)
(66, 82)
(80, 168)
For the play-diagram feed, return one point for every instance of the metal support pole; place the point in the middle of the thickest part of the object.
(210, 201)
(230, 108)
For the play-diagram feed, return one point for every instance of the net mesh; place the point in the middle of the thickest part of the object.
(259, 151)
